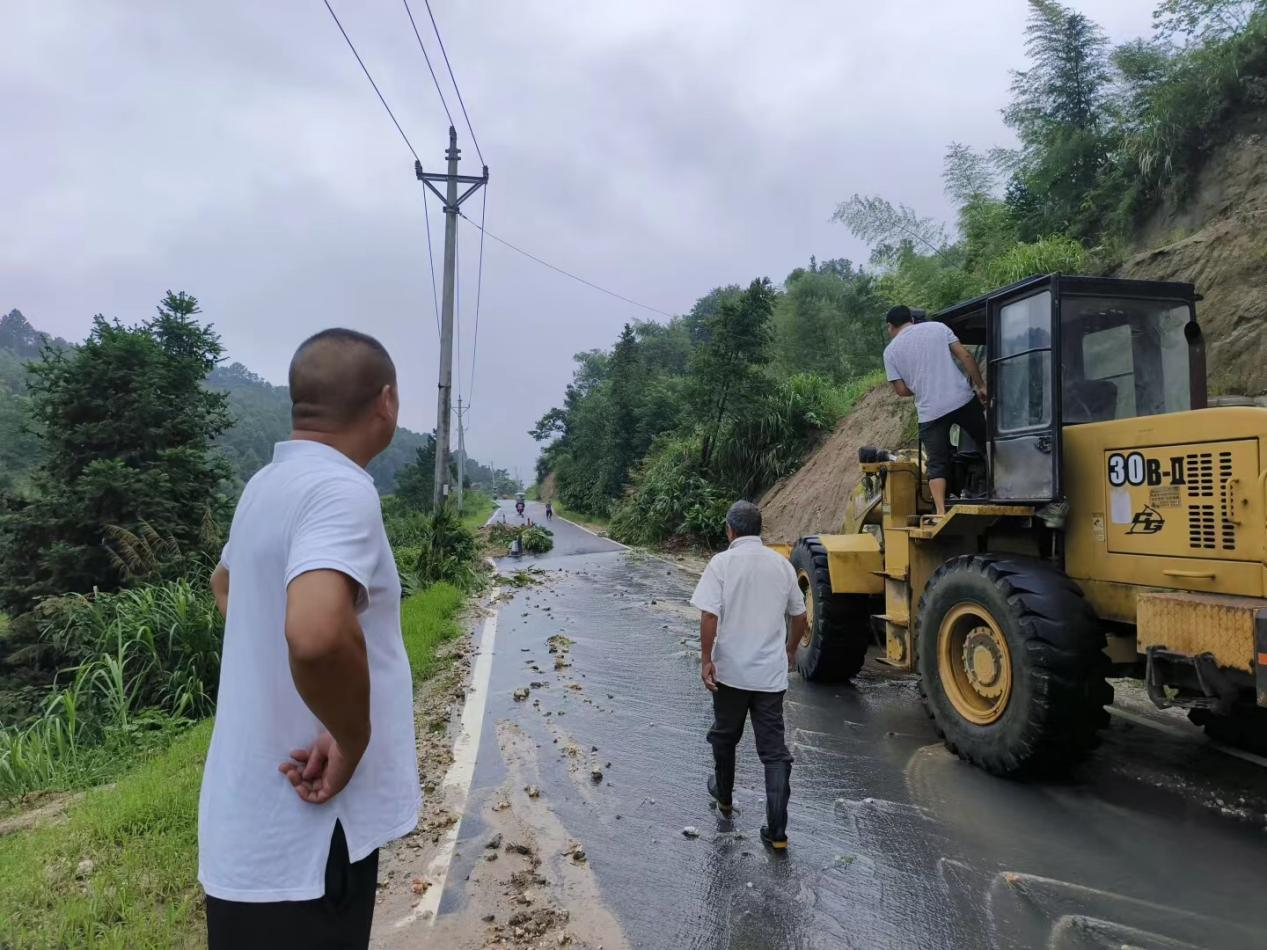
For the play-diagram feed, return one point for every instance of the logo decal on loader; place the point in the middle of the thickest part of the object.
(1147, 521)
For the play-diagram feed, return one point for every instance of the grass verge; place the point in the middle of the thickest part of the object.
(596, 523)
(428, 620)
(120, 869)
(476, 507)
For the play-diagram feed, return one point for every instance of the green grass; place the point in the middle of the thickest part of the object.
(853, 391)
(476, 507)
(596, 523)
(141, 836)
(428, 619)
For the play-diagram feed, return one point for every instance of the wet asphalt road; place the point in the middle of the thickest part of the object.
(1158, 841)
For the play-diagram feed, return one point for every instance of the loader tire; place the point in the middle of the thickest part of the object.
(838, 632)
(1012, 664)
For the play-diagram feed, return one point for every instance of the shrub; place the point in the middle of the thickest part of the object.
(671, 496)
(537, 540)
(143, 662)
(447, 551)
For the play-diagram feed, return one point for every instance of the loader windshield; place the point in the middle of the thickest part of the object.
(1124, 357)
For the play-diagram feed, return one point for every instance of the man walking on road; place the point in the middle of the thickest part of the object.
(312, 765)
(918, 362)
(745, 597)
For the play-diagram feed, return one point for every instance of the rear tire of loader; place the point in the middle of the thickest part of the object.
(835, 644)
(1012, 664)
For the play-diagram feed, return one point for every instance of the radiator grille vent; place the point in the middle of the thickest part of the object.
(1225, 476)
(1201, 475)
(1201, 526)
(1207, 478)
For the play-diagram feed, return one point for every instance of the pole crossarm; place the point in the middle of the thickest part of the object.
(475, 181)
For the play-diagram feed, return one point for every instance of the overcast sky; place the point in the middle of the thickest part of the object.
(660, 148)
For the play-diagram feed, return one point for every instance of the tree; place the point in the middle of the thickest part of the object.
(724, 368)
(415, 482)
(1197, 22)
(881, 223)
(622, 431)
(1058, 110)
(126, 429)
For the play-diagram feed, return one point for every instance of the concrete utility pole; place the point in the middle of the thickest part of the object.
(461, 454)
(444, 399)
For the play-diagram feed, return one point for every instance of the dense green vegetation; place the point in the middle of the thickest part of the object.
(120, 871)
(678, 420)
(661, 432)
(106, 548)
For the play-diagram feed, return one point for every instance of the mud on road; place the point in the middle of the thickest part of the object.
(592, 762)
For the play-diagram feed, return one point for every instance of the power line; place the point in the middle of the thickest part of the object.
(430, 68)
(454, 78)
(457, 306)
(553, 267)
(479, 287)
(435, 301)
(372, 82)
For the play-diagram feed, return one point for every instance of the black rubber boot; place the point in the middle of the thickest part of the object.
(778, 790)
(721, 784)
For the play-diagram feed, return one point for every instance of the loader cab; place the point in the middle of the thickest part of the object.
(1061, 351)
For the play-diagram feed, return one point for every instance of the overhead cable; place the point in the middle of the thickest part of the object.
(372, 82)
(454, 78)
(479, 287)
(430, 68)
(435, 302)
(554, 267)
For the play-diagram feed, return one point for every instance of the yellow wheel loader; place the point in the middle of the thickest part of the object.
(1113, 525)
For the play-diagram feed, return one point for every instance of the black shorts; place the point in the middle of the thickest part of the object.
(935, 435)
(338, 921)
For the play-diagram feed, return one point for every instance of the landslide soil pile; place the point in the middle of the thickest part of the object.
(1217, 239)
(813, 500)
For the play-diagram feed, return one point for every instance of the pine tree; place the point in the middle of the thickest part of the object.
(127, 427)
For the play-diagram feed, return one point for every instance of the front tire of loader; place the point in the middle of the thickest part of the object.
(838, 633)
(1012, 665)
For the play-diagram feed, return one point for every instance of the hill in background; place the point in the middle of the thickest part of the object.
(261, 413)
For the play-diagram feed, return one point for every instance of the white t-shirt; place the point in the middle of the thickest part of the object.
(312, 508)
(920, 356)
(753, 591)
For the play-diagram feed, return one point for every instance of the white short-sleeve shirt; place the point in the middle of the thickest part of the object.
(752, 590)
(311, 509)
(920, 356)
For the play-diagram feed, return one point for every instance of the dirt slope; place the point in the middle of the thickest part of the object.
(1217, 239)
(813, 499)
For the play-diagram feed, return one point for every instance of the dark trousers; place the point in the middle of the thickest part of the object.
(338, 921)
(970, 417)
(731, 707)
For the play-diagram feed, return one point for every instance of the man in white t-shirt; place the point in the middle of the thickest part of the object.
(920, 361)
(312, 765)
(745, 598)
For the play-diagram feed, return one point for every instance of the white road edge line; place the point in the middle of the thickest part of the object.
(1184, 734)
(594, 533)
(456, 789)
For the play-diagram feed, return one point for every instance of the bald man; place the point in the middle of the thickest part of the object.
(312, 766)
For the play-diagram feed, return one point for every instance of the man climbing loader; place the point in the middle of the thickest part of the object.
(1119, 529)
